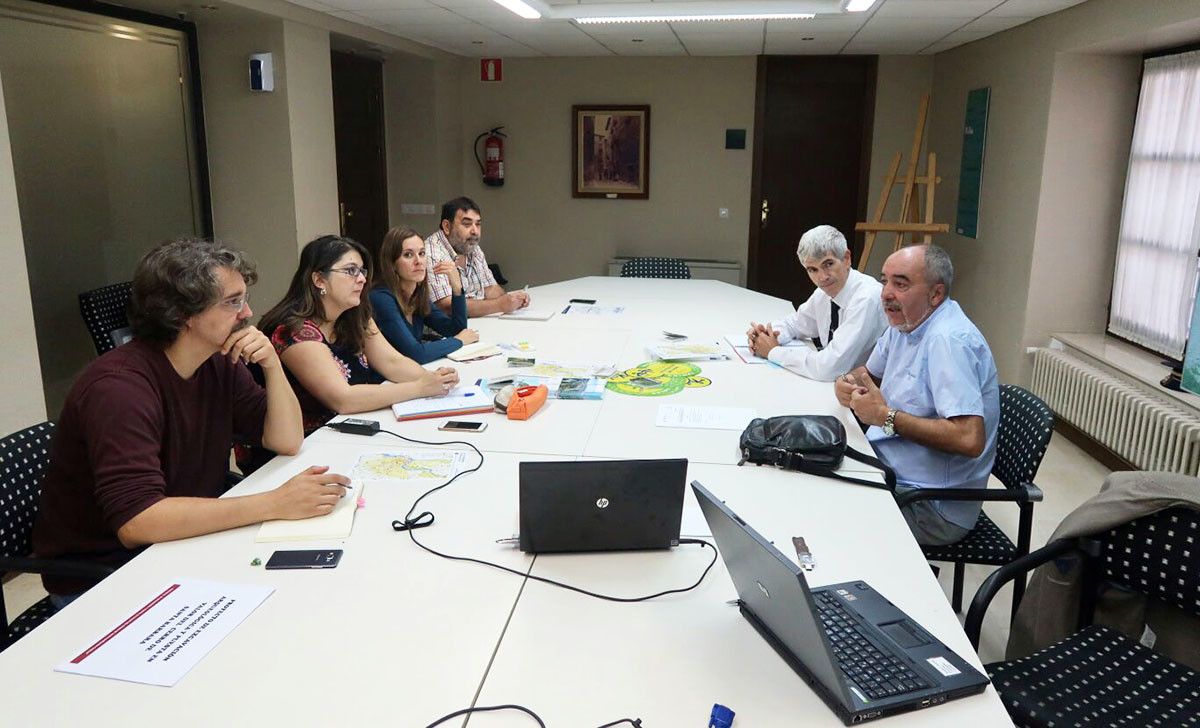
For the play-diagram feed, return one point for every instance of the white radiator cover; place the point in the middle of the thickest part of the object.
(1150, 431)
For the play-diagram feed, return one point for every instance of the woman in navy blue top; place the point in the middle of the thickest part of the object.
(401, 300)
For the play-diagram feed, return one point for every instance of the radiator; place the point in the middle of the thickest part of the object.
(1150, 431)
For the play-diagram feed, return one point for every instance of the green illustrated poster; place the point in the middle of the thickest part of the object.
(657, 379)
(970, 175)
(1191, 357)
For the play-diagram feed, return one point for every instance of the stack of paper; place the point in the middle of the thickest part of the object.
(687, 351)
(530, 314)
(741, 347)
(465, 399)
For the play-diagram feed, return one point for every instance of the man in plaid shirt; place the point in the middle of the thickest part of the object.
(457, 241)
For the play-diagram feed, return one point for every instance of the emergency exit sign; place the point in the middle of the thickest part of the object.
(491, 70)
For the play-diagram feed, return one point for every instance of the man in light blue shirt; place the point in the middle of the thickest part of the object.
(930, 393)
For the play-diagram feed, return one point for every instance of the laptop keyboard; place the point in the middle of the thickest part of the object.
(876, 674)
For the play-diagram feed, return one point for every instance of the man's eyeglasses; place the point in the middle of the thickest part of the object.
(351, 270)
(237, 304)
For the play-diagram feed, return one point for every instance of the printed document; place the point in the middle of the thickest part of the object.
(704, 418)
(160, 642)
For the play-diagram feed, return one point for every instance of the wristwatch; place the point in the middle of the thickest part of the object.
(889, 423)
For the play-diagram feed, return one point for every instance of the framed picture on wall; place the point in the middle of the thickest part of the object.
(610, 152)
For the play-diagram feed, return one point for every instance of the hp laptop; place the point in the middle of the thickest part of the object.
(865, 658)
(601, 505)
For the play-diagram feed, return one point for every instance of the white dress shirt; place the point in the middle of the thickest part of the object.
(860, 324)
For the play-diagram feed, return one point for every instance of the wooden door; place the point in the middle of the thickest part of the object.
(359, 136)
(812, 157)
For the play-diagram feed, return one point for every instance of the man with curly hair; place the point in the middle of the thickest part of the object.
(142, 445)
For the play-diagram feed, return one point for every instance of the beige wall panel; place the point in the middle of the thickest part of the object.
(21, 374)
(1093, 103)
(310, 116)
(249, 151)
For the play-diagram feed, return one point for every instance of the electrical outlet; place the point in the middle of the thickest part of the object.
(723, 213)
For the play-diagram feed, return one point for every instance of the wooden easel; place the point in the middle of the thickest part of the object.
(910, 221)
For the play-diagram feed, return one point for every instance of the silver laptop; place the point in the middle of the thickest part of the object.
(865, 657)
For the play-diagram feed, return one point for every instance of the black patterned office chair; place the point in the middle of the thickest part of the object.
(655, 268)
(1026, 424)
(105, 312)
(24, 456)
(1098, 676)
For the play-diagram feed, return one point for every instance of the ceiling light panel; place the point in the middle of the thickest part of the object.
(690, 18)
(521, 8)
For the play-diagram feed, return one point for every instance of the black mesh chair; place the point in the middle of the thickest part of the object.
(24, 456)
(655, 268)
(495, 269)
(104, 311)
(1026, 424)
(1098, 675)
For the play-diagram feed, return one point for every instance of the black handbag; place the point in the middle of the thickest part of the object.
(814, 444)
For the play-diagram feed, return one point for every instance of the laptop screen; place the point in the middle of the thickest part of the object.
(772, 588)
(601, 505)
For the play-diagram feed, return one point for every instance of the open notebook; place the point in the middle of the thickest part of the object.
(336, 524)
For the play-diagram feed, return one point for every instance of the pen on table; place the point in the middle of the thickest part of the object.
(568, 308)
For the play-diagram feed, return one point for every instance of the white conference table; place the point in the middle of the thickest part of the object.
(398, 636)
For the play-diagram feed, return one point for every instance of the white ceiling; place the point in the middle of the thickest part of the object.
(481, 28)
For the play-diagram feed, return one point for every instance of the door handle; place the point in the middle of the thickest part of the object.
(766, 210)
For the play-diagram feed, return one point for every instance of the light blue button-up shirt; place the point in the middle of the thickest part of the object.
(942, 369)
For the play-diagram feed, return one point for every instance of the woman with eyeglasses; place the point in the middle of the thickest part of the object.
(400, 300)
(331, 347)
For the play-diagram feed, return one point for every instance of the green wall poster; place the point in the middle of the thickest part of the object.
(1191, 357)
(970, 174)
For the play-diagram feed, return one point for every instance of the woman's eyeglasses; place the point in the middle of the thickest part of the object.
(351, 270)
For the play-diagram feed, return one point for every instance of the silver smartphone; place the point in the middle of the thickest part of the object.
(463, 426)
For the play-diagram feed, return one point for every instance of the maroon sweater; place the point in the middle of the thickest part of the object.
(132, 432)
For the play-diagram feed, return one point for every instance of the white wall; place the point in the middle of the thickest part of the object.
(21, 383)
(533, 226)
(1059, 118)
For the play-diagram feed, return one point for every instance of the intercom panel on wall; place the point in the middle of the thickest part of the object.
(262, 72)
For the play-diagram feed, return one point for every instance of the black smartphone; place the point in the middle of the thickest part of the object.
(588, 301)
(310, 559)
(463, 426)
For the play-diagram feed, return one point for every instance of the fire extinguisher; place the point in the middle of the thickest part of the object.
(492, 164)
